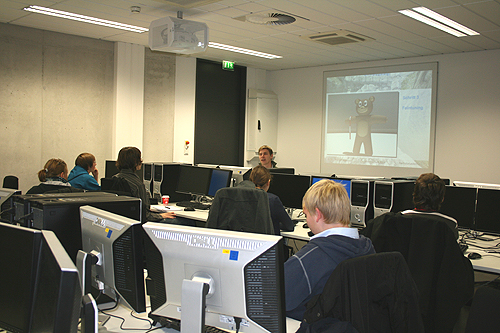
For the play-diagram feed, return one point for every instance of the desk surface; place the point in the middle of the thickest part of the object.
(489, 262)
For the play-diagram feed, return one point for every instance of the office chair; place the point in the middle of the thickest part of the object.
(241, 209)
(444, 277)
(375, 293)
(11, 182)
(484, 310)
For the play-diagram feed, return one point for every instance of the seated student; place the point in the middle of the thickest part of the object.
(128, 162)
(261, 177)
(428, 195)
(80, 177)
(53, 177)
(327, 209)
(266, 157)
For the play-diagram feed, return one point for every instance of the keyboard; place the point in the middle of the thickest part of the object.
(212, 329)
(193, 204)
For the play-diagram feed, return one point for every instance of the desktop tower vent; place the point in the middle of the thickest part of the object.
(337, 37)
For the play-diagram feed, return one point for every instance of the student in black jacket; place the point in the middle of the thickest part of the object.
(53, 177)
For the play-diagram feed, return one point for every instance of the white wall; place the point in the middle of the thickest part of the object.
(467, 125)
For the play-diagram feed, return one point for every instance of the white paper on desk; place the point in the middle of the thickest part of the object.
(165, 209)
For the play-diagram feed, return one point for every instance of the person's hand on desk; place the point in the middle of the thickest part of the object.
(168, 215)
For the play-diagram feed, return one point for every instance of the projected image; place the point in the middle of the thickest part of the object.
(362, 124)
(381, 119)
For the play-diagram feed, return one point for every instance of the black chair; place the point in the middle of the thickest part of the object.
(11, 182)
(374, 293)
(241, 209)
(444, 277)
(484, 315)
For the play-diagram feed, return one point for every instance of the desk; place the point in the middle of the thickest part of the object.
(134, 325)
(489, 262)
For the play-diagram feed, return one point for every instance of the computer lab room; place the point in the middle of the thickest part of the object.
(367, 94)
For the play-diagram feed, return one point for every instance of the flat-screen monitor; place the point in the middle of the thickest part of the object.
(110, 169)
(194, 180)
(477, 185)
(488, 211)
(219, 179)
(7, 204)
(244, 272)
(290, 188)
(239, 173)
(40, 284)
(118, 243)
(6, 193)
(460, 203)
(289, 171)
(344, 181)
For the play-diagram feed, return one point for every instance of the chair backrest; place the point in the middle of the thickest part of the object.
(375, 293)
(117, 185)
(11, 182)
(241, 209)
(484, 311)
(444, 277)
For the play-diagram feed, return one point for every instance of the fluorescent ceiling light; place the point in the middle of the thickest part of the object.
(243, 51)
(86, 19)
(438, 21)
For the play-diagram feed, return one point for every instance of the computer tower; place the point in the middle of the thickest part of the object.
(22, 203)
(392, 196)
(361, 202)
(62, 216)
(147, 177)
(157, 169)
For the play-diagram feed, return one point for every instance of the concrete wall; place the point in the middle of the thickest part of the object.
(58, 99)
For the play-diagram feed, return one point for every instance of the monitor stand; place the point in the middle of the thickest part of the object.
(193, 301)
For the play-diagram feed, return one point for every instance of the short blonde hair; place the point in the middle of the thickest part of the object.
(269, 149)
(332, 201)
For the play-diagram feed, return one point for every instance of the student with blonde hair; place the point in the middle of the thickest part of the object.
(327, 209)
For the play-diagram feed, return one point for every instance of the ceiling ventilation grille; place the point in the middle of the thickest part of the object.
(338, 37)
(187, 3)
(267, 18)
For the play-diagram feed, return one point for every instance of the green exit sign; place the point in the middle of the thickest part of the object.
(228, 65)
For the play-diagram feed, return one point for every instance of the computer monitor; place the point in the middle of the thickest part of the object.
(194, 180)
(346, 182)
(290, 188)
(477, 185)
(289, 171)
(219, 179)
(239, 173)
(488, 211)
(244, 272)
(110, 169)
(7, 210)
(460, 203)
(40, 284)
(118, 243)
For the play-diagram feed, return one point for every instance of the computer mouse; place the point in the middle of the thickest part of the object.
(190, 209)
(305, 225)
(474, 255)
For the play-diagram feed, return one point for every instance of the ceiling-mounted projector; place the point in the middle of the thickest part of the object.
(176, 35)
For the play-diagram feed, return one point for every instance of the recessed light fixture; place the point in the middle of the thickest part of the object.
(83, 18)
(438, 21)
(243, 51)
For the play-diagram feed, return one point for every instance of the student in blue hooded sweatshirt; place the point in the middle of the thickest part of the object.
(327, 209)
(85, 174)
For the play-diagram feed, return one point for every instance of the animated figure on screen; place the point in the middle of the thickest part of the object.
(364, 122)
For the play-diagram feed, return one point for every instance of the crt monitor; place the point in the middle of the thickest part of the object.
(290, 188)
(117, 242)
(344, 181)
(219, 179)
(239, 173)
(460, 203)
(244, 272)
(194, 180)
(40, 284)
(488, 211)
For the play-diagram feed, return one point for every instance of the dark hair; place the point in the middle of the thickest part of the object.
(85, 160)
(260, 176)
(129, 158)
(53, 168)
(428, 193)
